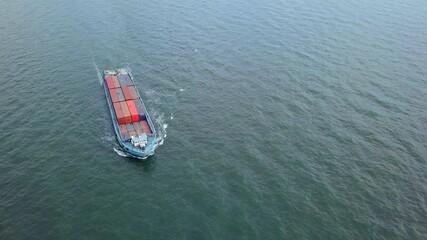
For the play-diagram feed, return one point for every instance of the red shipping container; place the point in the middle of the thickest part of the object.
(133, 111)
(119, 113)
(117, 109)
(126, 93)
(107, 78)
(109, 82)
(132, 91)
(129, 92)
(116, 82)
(113, 95)
(126, 113)
(145, 127)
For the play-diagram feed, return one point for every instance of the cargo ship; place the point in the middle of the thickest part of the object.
(134, 129)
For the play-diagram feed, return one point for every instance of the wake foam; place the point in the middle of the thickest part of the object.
(120, 152)
(98, 72)
(111, 140)
(161, 127)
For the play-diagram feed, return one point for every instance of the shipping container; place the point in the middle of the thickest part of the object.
(133, 134)
(117, 109)
(140, 109)
(113, 95)
(138, 128)
(123, 129)
(132, 91)
(119, 113)
(116, 82)
(133, 111)
(125, 136)
(145, 127)
(109, 82)
(126, 113)
(124, 80)
(126, 92)
(130, 127)
(120, 95)
(107, 77)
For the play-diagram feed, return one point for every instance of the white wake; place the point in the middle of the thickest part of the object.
(98, 72)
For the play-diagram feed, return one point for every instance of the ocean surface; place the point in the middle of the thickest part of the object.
(280, 119)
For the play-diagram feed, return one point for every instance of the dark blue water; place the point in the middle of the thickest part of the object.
(280, 119)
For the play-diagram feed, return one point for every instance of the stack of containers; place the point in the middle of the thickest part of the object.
(127, 106)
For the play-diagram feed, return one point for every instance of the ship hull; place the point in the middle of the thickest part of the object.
(129, 117)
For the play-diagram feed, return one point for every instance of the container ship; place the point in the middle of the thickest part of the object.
(134, 129)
